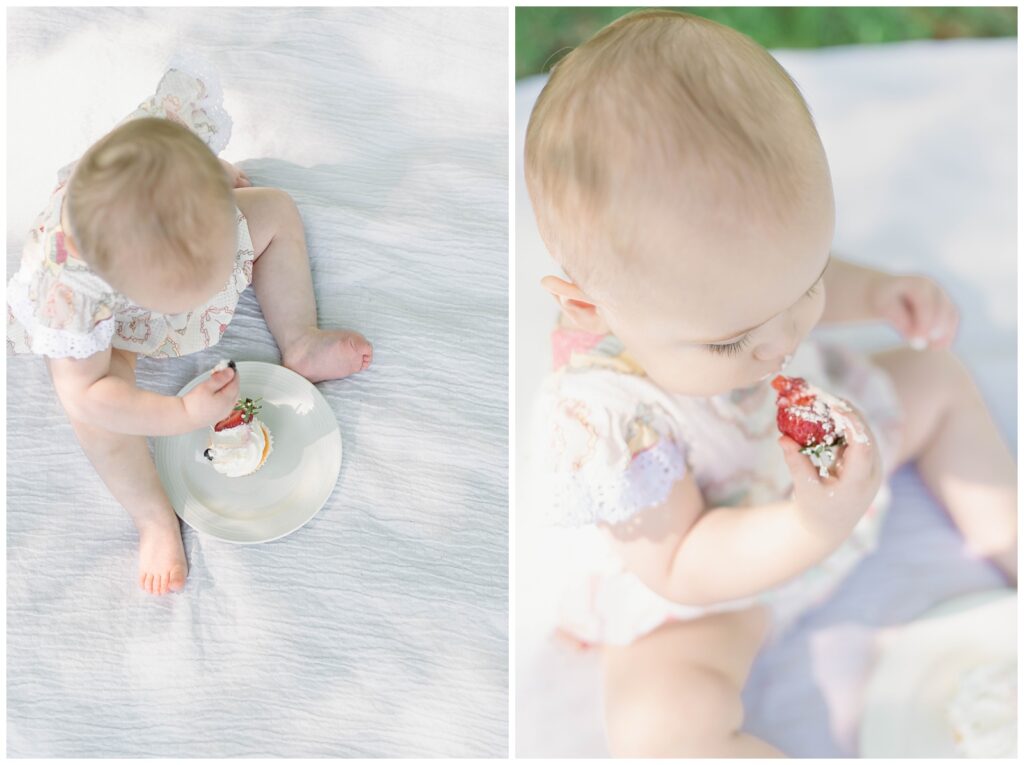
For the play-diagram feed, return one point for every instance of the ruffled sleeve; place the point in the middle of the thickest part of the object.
(57, 311)
(190, 94)
(609, 451)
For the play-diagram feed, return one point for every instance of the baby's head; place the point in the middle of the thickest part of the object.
(151, 210)
(678, 179)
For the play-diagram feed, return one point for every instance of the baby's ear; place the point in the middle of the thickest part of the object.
(577, 307)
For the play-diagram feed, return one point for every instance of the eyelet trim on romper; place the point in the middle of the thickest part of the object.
(57, 343)
(580, 498)
(193, 63)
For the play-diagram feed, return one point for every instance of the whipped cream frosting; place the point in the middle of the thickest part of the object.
(983, 711)
(238, 451)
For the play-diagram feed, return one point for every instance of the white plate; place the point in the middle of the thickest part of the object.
(919, 667)
(290, 488)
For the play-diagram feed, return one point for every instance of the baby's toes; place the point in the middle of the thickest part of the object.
(362, 350)
(359, 344)
(176, 578)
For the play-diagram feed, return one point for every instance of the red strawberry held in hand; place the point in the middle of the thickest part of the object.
(243, 413)
(807, 420)
(792, 390)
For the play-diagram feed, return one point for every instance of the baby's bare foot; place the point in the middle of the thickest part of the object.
(328, 354)
(162, 564)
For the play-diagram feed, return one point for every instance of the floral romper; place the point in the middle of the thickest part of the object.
(611, 443)
(58, 307)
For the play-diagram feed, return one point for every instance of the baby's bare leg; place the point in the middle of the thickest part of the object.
(960, 454)
(284, 288)
(126, 467)
(676, 692)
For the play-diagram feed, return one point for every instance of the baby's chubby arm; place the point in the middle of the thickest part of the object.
(91, 393)
(916, 306)
(698, 556)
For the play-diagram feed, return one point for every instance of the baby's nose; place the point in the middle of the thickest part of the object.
(775, 355)
(783, 343)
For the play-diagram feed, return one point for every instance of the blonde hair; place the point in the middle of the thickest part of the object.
(656, 104)
(145, 201)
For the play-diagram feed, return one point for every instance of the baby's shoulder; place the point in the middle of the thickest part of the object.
(189, 93)
(598, 369)
(57, 305)
(606, 445)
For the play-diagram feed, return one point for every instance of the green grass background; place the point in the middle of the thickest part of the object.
(543, 35)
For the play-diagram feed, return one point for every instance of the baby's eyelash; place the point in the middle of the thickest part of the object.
(731, 349)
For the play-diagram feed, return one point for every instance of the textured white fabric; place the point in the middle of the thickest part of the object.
(380, 628)
(921, 140)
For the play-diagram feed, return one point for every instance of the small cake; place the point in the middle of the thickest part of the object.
(240, 443)
(983, 711)
(813, 419)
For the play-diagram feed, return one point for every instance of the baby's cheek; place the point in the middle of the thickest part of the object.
(819, 308)
(698, 374)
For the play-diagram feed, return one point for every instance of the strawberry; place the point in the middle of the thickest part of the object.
(807, 420)
(792, 390)
(243, 413)
(805, 425)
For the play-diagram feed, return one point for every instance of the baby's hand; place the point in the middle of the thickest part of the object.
(919, 308)
(832, 505)
(213, 399)
(239, 180)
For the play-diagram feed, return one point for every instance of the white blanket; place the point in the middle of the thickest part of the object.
(922, 142)
(380, 628)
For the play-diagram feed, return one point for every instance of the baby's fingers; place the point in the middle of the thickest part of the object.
(800, 467)
(229, 391)
(944, 334)
(221, 379)
(860, 455)
(854, 462)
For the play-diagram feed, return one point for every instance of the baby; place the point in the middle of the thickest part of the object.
(145, 247)
(679, 181)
